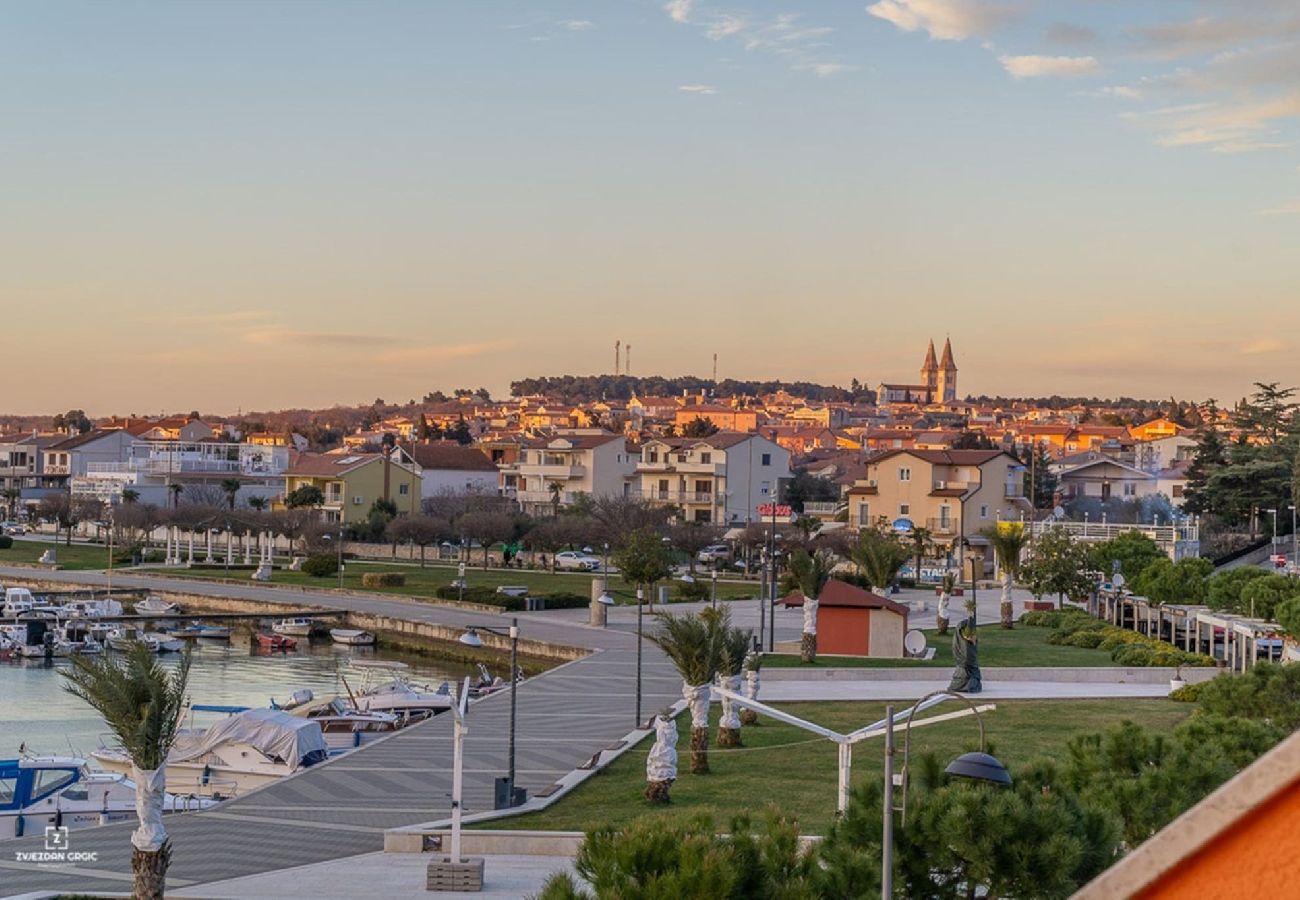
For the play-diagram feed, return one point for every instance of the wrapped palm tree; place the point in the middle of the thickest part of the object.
(945, 597)
(141, 702)
(753, 663)
(810, 572)
(1008, 540)
(878, 556)
(733, 651)
(691, 643)
(661, 764)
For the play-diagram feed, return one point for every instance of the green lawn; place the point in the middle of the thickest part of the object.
(423, 582)
(796, 770)
(76, 556)
(1021, 646)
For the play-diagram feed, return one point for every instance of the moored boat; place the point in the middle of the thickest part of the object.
(275, 641)
(352, 637)
(297, 627)
(156, 606)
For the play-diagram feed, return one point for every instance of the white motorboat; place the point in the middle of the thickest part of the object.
(156, 606)
(122, 638)
(344, 726)
(62, 791)
(251, 748)
(352, 637)
(384, 688)
(93, 609)
(196, 630)
(296, 627)
(17, 602)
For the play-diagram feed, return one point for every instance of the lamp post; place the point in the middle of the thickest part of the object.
(1273, 545)
(714, 578)
(771, 602)
(976, 766)
(340, 551)
(640, 595)
(460, 580)
(1295, 548)
(471, 639)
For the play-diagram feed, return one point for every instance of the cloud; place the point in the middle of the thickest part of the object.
(271, 336)
(433, 354)
(578, 25)
(1208, 34)
(1238, 126)
(679, 10)
(1264, 345)
(943, 20)
(824, 70)
(1049, 66)
(724, 26)
(1289, 209)
(697, 89)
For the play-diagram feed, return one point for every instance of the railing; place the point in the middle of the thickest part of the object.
(942, 527)
(555, 470)
(823, 507)
(58, 470)
(667, 496)
(565, 497)
(1014, 491)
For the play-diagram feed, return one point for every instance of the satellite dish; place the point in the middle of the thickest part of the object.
(914, 643)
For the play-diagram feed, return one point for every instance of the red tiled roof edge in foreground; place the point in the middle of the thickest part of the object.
(841, 593)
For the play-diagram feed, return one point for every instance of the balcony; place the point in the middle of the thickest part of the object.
(667, 496)
(823, 507)
(58, 470)
(553, 470)
(943, 527)
(546, 497)
(1014, 491)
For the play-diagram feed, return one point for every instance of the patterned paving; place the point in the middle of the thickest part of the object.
(342, 808)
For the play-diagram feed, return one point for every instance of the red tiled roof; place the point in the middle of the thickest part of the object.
(449, 455)
(842, 594)
(947, 457)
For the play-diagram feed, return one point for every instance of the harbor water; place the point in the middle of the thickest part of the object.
(37, 712)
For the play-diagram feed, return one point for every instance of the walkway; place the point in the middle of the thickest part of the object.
(342, 808)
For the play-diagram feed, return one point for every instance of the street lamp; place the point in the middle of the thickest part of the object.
(714, 577)
(640, 595)
(471, 639)
(460, 580)
(1274, 513)
(974, 766)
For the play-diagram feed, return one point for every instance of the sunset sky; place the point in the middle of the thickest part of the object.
(255, 205)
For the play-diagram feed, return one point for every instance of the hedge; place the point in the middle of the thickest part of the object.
(1075, 628)
(6, 542)
(489, 597)
(383, 579)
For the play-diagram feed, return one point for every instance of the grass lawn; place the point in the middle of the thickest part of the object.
(796, 770)
(1023, 645)
(423, 582)
(75, 556)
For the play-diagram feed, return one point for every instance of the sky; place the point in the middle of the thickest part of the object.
(224, 206)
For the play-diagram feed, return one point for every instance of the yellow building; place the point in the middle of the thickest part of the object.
(352, 482)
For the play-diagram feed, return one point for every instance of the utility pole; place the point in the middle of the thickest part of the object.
(715, 370)
(627, 360)
(617, 358)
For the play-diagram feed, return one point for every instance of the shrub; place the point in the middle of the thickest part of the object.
(474, 594)
(6, 542)
(1133, 656)
(1268, 691)
(321, 565)
(691, 592)
(1087, 639)
(1188, 693)
(1288, 616)
(383, 579)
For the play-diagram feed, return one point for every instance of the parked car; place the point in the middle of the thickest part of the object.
(12, 528)
(576, 560)
(714, 553)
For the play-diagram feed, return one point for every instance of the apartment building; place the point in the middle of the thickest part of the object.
(448, 467)
(725, 418)
(352, 482)
(952, 493)
(722, 478)
(162, 472)
(557, 469)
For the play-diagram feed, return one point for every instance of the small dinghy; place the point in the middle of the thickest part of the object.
(275, 642)
(352, 637)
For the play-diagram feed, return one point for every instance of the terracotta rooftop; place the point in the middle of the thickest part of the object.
(842, 594)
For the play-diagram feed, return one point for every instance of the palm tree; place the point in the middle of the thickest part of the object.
(878, 557)
(810, 572)
(690, 642)
(176, 490)
(142, 704)
(920, 538)
(257, 503)
(12, 495)
(733, 650)
(1008, 540)
(130, 495)
(555, 487)
(230, 487)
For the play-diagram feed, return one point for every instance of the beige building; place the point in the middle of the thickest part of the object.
(352, 482)
(721, 479)
(952, 493)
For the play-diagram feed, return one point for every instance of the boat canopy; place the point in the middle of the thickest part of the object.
(276, 735)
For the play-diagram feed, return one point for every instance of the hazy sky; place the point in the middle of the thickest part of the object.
(223, 205)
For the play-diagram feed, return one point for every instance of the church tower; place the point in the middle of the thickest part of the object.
(947, 374)
(930, 372)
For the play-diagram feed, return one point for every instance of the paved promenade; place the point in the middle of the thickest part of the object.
(342, 808)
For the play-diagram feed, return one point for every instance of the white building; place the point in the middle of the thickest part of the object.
(722, 478)
(566, 465)
(447, 467)
(151, 468)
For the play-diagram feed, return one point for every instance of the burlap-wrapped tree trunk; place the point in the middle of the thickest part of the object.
(941, 618)
(661, 764)
(697, 696)
(150, 872)
(1005, 608)
(808, 641)
(729, 721)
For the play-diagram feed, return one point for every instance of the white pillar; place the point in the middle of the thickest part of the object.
(457, 771)
(846, 770)
(248, 558)
(190, 560)
(230, 537)
(208, 557)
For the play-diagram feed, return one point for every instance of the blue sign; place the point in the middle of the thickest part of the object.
(902, 525)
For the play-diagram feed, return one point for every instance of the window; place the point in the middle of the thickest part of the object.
(904, 474)
(356, 500)
(1178, 491)
(904, 509)
(706, 457)
(7, 788)
(663, 488)
(1130, 489)
(984, 512)
(864, 514)
(703, 487)
(50, 780)
(652, 456)
(766, 459)
(404, 489)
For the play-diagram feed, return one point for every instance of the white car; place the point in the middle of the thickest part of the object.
(714, 553)
(577, 560)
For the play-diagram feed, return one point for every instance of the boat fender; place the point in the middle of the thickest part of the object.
(18, 826)
(58, 818)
